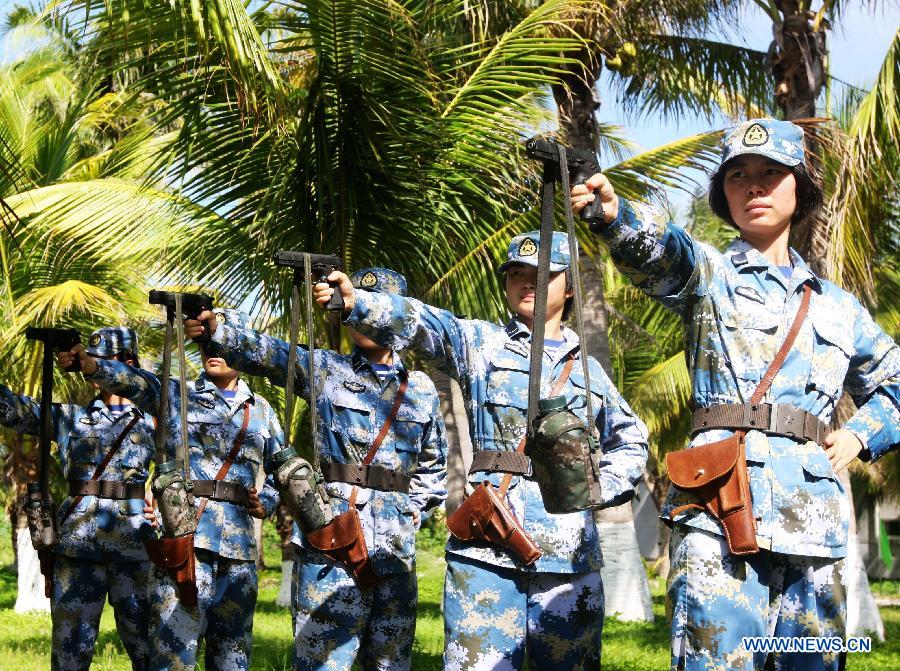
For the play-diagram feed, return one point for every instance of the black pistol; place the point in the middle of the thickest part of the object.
(582, 163)
(320, 267)
(56, 340)
(191, 307)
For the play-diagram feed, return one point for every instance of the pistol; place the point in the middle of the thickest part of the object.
(56, 340)
(320, 267)
(191, 306)
(582, 163)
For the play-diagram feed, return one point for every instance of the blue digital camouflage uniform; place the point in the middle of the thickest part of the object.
(225, 542)
(493, 607)
(336, 622)
(737, 308)
(101, 542)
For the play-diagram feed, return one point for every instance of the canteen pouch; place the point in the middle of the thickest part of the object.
(563, 459)
(176, 556)
(176, 504)
(484, 517)
(342, 539)
(305, 497)
(717, 475)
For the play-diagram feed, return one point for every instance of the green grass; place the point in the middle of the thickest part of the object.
(25, 639)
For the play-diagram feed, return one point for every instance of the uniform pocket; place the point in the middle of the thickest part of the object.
(832, 350)
(748, 329)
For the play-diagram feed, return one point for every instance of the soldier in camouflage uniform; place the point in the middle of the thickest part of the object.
(101, 537)
(225, 542)
(495, 608)
(337, 622)
(737, 307)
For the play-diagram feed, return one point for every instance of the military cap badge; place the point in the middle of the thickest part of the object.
(755, 136)
(528, 247)
(95, 340)
(368, 280)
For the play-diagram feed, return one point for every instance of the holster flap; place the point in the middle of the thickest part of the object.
(340, 533)
(696, 467)
(469, 521)
(171, 553)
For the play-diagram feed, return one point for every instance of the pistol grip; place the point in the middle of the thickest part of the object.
(337, 301)
(204, 337)
(593, 211)
(75, 367)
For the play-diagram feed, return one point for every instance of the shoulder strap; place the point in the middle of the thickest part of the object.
(379, 439)
(103, 464)
(557, 387)
(778, 361)
(238, 442)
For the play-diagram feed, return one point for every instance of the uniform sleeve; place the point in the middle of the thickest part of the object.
(140, 386)
(269, 496)
(20, 413)
(260, 355)
(428, 488)
(873, 381)
(623, 448)
(400, 323)
(660, 258)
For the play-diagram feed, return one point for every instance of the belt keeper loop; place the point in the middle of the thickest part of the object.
(773, 417)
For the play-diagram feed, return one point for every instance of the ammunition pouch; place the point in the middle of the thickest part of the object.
(176, 505)
(305, 497)
(483, 516)
(342, 540)
(563, 459)
(176, 556)
(717, 474)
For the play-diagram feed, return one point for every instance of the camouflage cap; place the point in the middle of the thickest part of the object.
(382, 280)
(781, 141)
(524, 249)
(111, 340)
(232, 317)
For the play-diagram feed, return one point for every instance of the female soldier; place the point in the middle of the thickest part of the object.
(338, 621)
(494, 606)
(224, 418)
(102, 526)
(738, 308)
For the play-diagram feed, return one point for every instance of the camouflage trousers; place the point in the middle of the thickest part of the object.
(80, 588)
(337, 623)
(492, 615)
(226, 599)
(716, 598)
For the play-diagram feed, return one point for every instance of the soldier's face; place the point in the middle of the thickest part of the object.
(364, 342)
(216, 367)
(521, 282)
(761, 194)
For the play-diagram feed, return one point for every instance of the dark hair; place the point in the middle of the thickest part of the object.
(808, 192)
(570, 286)
(126, 355)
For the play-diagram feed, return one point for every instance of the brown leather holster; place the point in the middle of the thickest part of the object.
(717, 474)
(484, 517)
(47, 561)
(343, 540)
(176, 556)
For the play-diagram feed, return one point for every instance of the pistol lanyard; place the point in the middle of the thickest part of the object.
(548, 196)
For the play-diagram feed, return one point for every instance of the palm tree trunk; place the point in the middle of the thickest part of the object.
(624, 578)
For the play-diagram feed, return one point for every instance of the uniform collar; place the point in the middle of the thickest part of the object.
(98, 406)
(203, 385)
(360, 361)
(519, 336)
(744, 257)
